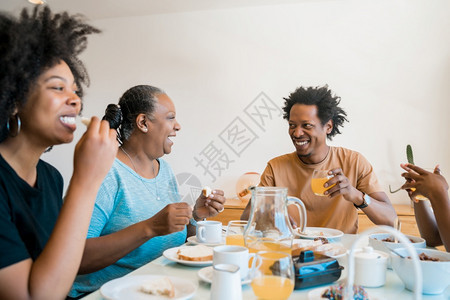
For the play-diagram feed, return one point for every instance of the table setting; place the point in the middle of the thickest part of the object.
(266, 265)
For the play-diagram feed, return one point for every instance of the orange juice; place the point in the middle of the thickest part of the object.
(317, 185)
(272, 287)
(236, 239)
(419, 197)
(255, 246)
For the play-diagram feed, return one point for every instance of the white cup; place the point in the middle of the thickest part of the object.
(226, 283)
(370, 267)
(209, 232)
(236, 255)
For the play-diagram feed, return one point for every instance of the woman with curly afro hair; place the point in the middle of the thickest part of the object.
(41, 80)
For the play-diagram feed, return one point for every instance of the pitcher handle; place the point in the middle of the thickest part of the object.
(255, 265)
(301, 211)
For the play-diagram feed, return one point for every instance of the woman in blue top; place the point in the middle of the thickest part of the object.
(138, 213)
(41, 79)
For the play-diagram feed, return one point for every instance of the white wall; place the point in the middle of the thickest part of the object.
(388, 60)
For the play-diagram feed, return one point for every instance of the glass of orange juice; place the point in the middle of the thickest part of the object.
(272, 275)
(318, 180)
(422, 197)
(235, 233)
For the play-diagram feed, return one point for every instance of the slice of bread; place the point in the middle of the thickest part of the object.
(195, 253)
(159, 287)
(302, 245)
(206, 191)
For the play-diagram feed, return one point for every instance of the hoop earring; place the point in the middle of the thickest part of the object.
(19, 123)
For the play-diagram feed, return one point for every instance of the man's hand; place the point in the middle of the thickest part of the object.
(340, 185)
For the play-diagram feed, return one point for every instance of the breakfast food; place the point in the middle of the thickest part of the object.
(423, 256)
(159, 287)
(85, 121)
(389, 240)
(318, 245)
(206, 191)
(330, 249)
(302, 245)
(195, 253)
(336, 293)
(317, 233)
(322, 239)
(392, 240)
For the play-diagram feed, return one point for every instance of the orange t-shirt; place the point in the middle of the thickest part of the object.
(289, 171)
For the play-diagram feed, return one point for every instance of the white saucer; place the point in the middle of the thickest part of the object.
(206, 275)
(193, 240)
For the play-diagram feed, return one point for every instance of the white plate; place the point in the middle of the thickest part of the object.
(316, 232)
(171, 254)
(127, 287)
(206, 274)
(193, 240)
(316, 294)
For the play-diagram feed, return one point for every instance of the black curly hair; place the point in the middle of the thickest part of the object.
(33, 43)
(327, 106)
(140, 99)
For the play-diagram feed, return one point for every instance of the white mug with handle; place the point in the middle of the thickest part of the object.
(209, 232)
(230, 254)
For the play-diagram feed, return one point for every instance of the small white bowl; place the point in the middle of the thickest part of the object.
(376, 241)
(435, 274)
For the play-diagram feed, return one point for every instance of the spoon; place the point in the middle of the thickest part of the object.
(395, 251)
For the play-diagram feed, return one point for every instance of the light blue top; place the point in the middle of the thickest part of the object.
(126, 198)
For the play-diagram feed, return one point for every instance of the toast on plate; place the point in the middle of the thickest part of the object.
(195, 253)
(159, 287)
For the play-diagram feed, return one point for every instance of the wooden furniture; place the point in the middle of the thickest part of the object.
(405, 214)
(233, 211)
(235, 207)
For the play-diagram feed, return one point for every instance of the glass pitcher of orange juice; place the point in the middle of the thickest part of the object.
(269, 227)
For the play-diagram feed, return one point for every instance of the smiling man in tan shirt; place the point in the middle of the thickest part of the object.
(314, 115)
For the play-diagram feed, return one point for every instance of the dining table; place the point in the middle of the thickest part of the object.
(394, 289)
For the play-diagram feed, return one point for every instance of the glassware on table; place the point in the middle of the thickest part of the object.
(422, 197)
(235, 233)
(272, 275)
(318, 179)
(419, 197)
(269, 226)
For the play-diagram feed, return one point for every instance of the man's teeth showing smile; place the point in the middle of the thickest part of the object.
(67, 120)
(301, 143)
